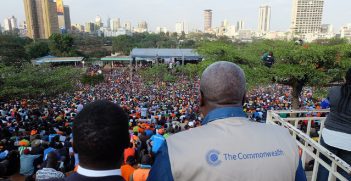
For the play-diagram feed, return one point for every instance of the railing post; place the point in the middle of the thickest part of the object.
(296, 123)
(315, 168)
(269, 117)
(331, 177)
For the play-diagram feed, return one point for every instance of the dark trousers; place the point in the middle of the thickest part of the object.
(343, 154)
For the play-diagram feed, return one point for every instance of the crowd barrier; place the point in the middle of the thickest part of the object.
(308, 146)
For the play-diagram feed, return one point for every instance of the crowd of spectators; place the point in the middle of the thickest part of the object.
(36, 135)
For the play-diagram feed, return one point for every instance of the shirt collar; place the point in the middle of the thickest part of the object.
(145, 166)
(98, 173)
(222, 113)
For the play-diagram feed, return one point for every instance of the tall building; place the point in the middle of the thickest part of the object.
(208, 20)
(142, 27)
(327, 28)
(307, 16)
(115, 24)
(7, 24)
(345, 32)
(225, 23)
(264, 19)
(41, 18)
(13, 21)
(90, 27)
(108, 23)
(240, 25)
(161, 29)
(10, 24)
(67, 16)
(98, 22)
(128, 25)
(180, 28)
(77, 27)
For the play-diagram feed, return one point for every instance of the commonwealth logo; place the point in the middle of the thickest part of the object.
(212, 158)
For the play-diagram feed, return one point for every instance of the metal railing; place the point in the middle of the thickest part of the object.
(306, 144)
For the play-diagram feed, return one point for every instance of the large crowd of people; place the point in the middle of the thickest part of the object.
(36, 137)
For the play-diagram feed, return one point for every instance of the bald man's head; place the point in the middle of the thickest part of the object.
(223, 84)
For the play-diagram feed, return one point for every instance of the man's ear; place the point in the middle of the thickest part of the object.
(202, 101)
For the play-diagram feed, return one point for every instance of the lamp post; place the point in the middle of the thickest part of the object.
(83, 62)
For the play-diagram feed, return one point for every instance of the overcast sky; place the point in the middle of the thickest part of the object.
(168, 12)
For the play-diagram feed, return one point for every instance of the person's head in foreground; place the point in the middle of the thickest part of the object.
(222, 85)
(100, 135)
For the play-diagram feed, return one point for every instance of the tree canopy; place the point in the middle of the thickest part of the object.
(36, 81)
(297, 66)
(62, 45)
(12, 51)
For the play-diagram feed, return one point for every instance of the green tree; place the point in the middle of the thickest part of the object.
(12, 50)
(123, 44)
(36, 81)
(62, 45)
(297, 66)
(37, 49)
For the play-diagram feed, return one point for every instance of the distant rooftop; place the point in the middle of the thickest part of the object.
(53, 59)
(164, 53)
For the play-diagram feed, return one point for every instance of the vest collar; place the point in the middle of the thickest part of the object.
(222, 113)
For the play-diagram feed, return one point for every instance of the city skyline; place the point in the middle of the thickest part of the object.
(155, 11)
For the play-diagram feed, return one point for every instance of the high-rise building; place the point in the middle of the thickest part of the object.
(61, 21)
(67, 16)
(327, 28)
(225, 23)
(307, 16)
(142, 27)
(208, 20)
(7, 24)
(10, 24)
(161, 29)
(98, 22)
(345, 32)
(115, 24)
(41, 18)
(240, 25)
(13, 21)
(90, 27)
(108, 23)
(128, 25)
(180, 28)
(77, 27)
(264, 19)
(23, 25)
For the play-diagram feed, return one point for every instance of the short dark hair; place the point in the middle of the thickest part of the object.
(100, 134)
